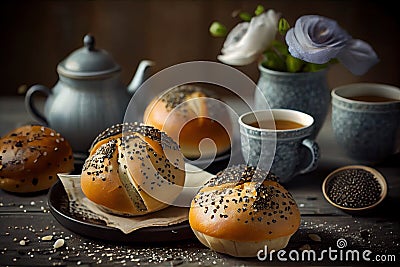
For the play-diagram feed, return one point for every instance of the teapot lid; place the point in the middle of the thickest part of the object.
(88, 62)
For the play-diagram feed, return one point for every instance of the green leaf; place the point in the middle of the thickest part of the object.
(259, 10)
(217, 29)
(333, 61)
(281, 47)
(245, 16)
(312, 67)
(273, 61)
(283, 26)
(293, 64)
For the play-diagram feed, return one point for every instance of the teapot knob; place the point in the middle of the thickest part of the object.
(89, 42)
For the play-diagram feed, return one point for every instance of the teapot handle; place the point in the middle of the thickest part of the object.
(29, 101)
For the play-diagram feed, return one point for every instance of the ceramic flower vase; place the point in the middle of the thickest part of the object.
(307, 92)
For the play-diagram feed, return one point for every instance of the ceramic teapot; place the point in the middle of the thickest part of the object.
(88, 96)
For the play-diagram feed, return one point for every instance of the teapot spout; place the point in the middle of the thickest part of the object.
(142, 73)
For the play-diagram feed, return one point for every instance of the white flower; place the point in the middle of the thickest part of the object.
(318, 39)
(313, 44)
(247, 41)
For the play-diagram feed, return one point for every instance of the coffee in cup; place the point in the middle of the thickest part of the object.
(366, 120)
(279, 140)
(278, 124)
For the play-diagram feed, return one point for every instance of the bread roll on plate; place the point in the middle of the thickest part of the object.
(133, 169)
(30, 158)
(190, 114)
(241, 210)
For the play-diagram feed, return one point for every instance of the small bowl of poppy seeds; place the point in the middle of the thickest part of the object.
(355, 188)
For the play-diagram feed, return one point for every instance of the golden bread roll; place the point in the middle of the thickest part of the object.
(190, 114)
(133, 169)
(236, 215)
(30, 158)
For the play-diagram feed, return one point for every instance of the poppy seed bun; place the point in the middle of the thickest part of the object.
(133, 169)
(190, 114)
(232, 215)
(30, 158)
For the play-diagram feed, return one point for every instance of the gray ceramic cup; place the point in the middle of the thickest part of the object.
(369, 132)
(286, 153)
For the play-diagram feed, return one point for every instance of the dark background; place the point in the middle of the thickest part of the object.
(37, 35)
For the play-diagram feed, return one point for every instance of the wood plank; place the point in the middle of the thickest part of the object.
(380, 235)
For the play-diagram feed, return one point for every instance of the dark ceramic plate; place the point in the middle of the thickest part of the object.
(59, 203)
(217, 164)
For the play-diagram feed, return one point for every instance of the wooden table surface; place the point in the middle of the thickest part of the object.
(24, 220)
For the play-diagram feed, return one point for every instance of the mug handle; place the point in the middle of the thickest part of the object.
(314, 149)
(29, 101)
